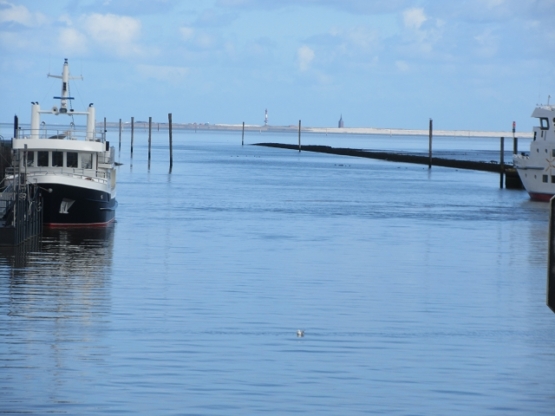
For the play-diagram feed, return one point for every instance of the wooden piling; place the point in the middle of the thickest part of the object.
(430, 144)
(515, 140)
(119, 149)
(299, 136)
(15, 129)
(243, 136)
(170, 133)
(149, 138)
(501, 162)
(132, 134)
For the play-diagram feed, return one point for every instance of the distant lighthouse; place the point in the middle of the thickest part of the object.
(266, 117)
(341, 124)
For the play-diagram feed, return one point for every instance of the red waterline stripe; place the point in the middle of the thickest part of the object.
(540, 197)
(80, 225)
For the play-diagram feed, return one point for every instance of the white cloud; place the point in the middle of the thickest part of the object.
(363, 38)
(169, 74)
(494, 3)
(10, 13)
(350, 6)
(305, 56)
(414, 18)
(187, 33)
(117, 33)
(422, 34)
(205, 40)
(15, 42)
(201, 39)
(402, 66)
(487, 43)
(72, 41)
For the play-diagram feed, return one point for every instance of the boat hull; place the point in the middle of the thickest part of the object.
(67, 206)
(538, 181)
(536, 196)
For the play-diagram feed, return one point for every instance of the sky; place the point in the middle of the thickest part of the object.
(467, 64)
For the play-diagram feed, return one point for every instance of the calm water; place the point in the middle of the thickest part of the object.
(420, 292)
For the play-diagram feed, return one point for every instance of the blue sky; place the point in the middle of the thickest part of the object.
(469, 65)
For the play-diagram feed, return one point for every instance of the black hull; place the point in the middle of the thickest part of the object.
(68, 206)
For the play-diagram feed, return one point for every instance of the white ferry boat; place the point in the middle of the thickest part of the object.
(537, 168)
(73, 167)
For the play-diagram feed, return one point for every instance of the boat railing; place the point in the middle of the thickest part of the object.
(62, 134)
(99, 176)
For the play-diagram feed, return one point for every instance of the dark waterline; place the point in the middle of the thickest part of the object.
(420, 292)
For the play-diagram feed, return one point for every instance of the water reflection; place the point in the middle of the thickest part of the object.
(75, 247)
(50, 274)
(55, 297)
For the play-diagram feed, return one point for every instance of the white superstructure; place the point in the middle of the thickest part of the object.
(537, 168)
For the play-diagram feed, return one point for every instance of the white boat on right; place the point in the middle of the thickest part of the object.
(537, 168)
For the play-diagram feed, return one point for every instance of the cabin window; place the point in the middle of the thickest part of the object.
(544, 178)
(71, 161)
(553, 152)
(86, 160)
(30, 159)
(544, 123)
(42, 158)
(552, 178)
(57, 159)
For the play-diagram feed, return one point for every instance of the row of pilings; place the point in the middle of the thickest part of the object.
(508, 177)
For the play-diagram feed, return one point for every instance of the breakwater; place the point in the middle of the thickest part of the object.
(511, 176)
(393, 157)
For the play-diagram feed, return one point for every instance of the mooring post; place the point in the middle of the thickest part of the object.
(132, 134)
(15, 127)
(149, 138)
(170, 132)
(515, 140)
(551, 258)
(243, 136)
(501, 162)
(430, 145)
(119, 150)
(299, 136)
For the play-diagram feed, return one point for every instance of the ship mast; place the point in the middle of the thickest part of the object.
(64, 98)
(65, 77)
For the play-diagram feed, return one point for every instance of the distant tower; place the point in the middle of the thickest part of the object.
(266, 117)
(341, 124)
